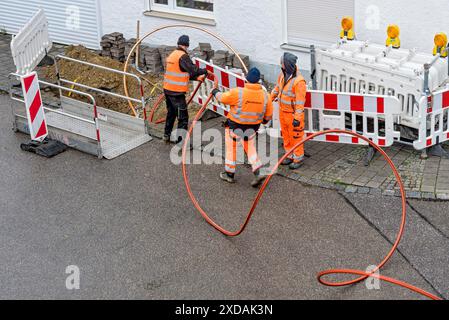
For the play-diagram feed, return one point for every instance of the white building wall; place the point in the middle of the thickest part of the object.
(253, 27)
(256, 27)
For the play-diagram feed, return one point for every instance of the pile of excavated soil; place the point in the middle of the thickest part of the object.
(101, 79)
(108, 81)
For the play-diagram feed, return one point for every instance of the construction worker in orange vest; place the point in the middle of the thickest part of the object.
(249, 108)
(179, 70)
(290, 92)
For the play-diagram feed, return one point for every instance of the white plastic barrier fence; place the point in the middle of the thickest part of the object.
(226, 80)
(359, 67)
(31, 44)
(372, 116)
(434, 120)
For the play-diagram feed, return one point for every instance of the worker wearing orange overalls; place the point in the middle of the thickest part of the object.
(290, 91)
(249, 108)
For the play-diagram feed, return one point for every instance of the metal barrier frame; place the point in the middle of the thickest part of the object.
(94, 122)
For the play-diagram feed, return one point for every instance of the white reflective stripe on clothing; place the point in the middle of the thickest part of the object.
(230, 163)
(256, 166)
(234, 136)
(229, 169)
(176, 83)
(288, 94)
(290, 90)
(253, 159)
(177, 75)
(289, 87)
(247, 121)
(285, 102)
(259, 115)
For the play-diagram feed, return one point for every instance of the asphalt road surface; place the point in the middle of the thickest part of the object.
(130, 228)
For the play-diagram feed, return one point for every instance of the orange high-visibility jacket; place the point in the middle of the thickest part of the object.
(175, 79)
(292, 94)
(248, 106)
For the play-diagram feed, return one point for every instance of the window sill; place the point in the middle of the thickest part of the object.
(181, 17)
(304, 45)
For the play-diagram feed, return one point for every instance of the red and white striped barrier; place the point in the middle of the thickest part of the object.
(346, 102)
(34, 107)
(370, 115)
(434, 120)
(226, 80)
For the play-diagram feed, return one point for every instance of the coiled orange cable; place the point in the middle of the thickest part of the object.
(362, 275)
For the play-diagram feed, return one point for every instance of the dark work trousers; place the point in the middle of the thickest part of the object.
(176, 108)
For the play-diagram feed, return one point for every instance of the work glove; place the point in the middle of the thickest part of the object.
(201, 78)
(215, 83)
(268, 123)
(296, 123)
(215, 91)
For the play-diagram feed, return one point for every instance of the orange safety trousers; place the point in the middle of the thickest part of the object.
(292, 135)
(249, 146)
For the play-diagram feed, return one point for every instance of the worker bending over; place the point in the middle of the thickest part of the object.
(179, 70)
(249, 108)
(290, 91)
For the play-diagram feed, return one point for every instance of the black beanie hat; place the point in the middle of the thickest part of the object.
(253, 75)
(184, 41)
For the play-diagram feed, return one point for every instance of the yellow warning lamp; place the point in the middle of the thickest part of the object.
(393, 40)
(440, 45)
(347, 28)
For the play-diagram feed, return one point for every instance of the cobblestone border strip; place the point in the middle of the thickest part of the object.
(347, 188)
(428, 196)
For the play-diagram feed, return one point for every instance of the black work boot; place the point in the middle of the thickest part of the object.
(166, 139)
(287, 162)
(228, 177)
(258, 179)
(296, 165)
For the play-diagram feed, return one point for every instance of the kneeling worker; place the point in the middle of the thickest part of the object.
(291, 91)
(249, 108)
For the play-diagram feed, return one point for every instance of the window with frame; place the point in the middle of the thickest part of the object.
(197, 8)
(310, 22)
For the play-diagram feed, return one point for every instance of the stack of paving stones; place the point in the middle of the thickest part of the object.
(206, 48)
(129, 44)
(105, 47)
(197, 53)
(204, 52)
(230, 60)
(237, 64)
(152, 59)
(113, 46)
(221, 58)
(165, 51)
